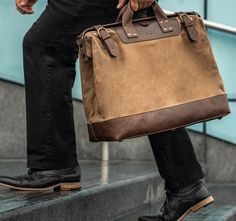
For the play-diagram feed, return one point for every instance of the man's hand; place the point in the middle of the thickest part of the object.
(25, 6)
(136, 4)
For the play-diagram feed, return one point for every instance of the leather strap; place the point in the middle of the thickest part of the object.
(119, 17)
(189, 25)
(127, 24)
(127, 14)
(162, 18)
(106, 37)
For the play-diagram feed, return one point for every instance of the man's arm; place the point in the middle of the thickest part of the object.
(136, 4)
(25, 6)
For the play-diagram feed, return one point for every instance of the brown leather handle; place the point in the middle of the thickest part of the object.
(159, 13)
(126, 15)
(122, 10)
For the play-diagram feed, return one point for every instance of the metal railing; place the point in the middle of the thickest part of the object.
(214, 25)
(220, 27)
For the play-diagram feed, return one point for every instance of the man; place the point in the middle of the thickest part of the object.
(50, 53)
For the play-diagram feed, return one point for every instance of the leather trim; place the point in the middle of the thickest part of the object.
(159, 120)
(189, 26)
(128, 14)
(108, 41)
(149, 30)
(119, 23)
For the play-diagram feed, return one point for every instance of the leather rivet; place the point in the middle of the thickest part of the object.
(129, 34)
(170, 28)
(161, 22)
(134, 34)
(166, 20)
(165, 29)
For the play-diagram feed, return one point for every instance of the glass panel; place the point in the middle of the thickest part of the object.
(224, 48)
(226, 127)
(77, 93)
(13, 27)
(222, 12)
(196, 127)
(183, 5)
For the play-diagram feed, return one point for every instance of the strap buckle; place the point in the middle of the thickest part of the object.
(104, 34)
(102, 29)
(184, 14)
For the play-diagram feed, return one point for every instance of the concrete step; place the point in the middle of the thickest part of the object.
(109, 191)
(223, 208)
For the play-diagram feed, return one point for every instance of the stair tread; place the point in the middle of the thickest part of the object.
(96, 177)
(223, 208)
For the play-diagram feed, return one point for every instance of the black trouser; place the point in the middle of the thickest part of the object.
(50, 54)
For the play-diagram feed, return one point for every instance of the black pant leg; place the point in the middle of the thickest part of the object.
(50, 52)
(175, 158)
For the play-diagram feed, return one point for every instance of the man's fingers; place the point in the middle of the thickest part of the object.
(121, 4)
(27, 6)
(24, 10)
(24, 2)
(31, 2)
(134, 5)
(147, 4)
(19, 6)
(141, 5)
(20, 10)
(23, 7)
(29, 11)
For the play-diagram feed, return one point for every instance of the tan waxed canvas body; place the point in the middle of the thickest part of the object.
(152, 85)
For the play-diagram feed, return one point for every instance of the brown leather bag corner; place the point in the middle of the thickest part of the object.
(149, 75)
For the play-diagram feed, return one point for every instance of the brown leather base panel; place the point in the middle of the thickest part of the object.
(160, 120)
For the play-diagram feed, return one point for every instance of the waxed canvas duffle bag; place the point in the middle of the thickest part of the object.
(148, 75)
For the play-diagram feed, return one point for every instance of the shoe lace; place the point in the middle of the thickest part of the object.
(167, 204)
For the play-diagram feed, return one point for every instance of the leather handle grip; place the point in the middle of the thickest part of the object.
(126, 15)
(159, 13)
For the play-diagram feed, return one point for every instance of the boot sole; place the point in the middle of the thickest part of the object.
(59, 186)
(197, 207)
